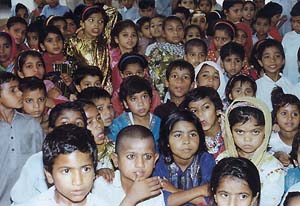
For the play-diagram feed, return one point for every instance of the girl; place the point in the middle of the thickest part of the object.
(292, 198)
(235, 181)
(247, 130)
(124, 40)
(184, 164)
(199, 18)
(223, 32)
(90, 48)
(22, 11)
(145, 37)
(156, 31)
(59, 22)
(286, 114)
(192, 32)
(244, 38)
(7, 48)
(249, 10)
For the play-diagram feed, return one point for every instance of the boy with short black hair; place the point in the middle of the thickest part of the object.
(146, 8)
(21, 135)
(135, 157)
(261, 25)
(195, 51)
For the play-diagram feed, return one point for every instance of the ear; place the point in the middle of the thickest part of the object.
(166, 83)
(230, 96)
(114, 158)
(49, 177)
(260, 63)
(254, 200)
(122, 75)
(78, 88)
(125, 104)
(226, 12)
(185, 57)
(116, 39)
(222, 64)
(42, 46)
(20, 74)
(192, 85)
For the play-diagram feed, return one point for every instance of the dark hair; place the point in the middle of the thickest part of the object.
(271, 9)
(227, 4)
(67, 106)
(143, 20)
(6, 77)
(32, 84)
(192, 26)
(195, 43)
(180, 64)
(250, 2)
(253, 57)
(235, 167)
(232, 48)
(67, 139)
(181, 10)
(35, 27)
(84, 102)
(145, 4)
(168, 125)
(242, 114)
(20, 6)
(180, 1)
(280, 99)
(81, 72)
(132, 58)
(15, 20)
(239, 78)
(298, 54)
(171, 18)
(201, 93)
(211, 19)
(50, 21)
(21, 59)
(93, 93)
(295, 148)
(226, 26)
(7, 37)
(88, 11)
(261, 15)
(46, 31)
(118, 28)
(132, 85)
(70, 15)
(290, 195)
(296, 9)
(133, 132)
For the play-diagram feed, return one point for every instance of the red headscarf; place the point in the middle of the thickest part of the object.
(249, 44)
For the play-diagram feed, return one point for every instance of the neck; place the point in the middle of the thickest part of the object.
(63, 201)
(260, 37)
(213, 131)
(245, 155)
(6, 114)
(287, 137)
(123, 50)
(182, 163)
(274, 76)
(142, 120)
(160, 40)
(88, 37)
(126, 184)
(177, 100)
(5, 64)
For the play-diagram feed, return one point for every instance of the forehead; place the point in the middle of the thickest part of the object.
(173, 22)
(11, 83)
(194, 49)
(102, 100)
(18, 26)
(208, 68)
(237, 6)
(156, 20)
(90, 110)
(136, 144)
(95, 15)
(70, 114)
(133, 66)
(72, 159)
(90, 77)
(233, 56)
(180, 70)
(37, 93)
(4, 40)
(262, 20)
(183, 125)
(200, 102)
(31, 59)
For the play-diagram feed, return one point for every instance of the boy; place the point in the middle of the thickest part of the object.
(70, 161)
(54, 8)
(182, 13)
(195, 51)
(233, 10)
(129, 10)
(156, 32)
(146, 8)
(206, 104)
(21, 135)
(179, 80)
(135, 158)
(291, 44)
(261, 25)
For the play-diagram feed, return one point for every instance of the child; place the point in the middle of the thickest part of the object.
(72, 24)
(249, 10)
(244, 37)
(38, 10)
(188, 4)
(261, 25)
(59, 22)
(146, 8)
(195, 52)
(199, 18)
(70, 161)
(22, 11)
(179, 80)
(136, 94)
(34, 100)
(206, 104)
(192, 32)
(271, 58)
(32, 35)
(124, 40)
(259, 4)
(233, 10)
(235, 181)
(89, 76)
(135, 158)
(205, 6)
(247, 129)
(129, 10)
(184, 164)
(291, 44)
(292, 198)
(133, 64)
(144, 34)
(286, 114)
(183, 14)
(7, 46)
(164, 53)
(53, 7)
(21, 135)
(156, 31)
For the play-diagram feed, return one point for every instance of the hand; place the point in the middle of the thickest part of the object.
(106, 173)
(283, 158)
(166, 185)
(66, 79)
(221, 120)
(276, 128)
(54, 93)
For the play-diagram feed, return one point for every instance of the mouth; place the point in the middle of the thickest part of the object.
(139, 173)
(141, 110)
(96, 31)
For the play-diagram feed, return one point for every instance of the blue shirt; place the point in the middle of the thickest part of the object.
(59, 10)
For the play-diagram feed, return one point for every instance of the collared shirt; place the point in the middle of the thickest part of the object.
(59, 10)
(132, 13)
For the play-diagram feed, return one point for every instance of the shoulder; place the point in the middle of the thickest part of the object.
(270, 165)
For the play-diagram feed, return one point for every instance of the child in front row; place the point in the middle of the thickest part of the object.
(135, 158)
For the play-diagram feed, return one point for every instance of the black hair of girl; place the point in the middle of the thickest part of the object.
(20, 6)
(226, 26)
(242, 114)
(143, 20)
(232, 48)
(280, 99)
(298, 54)
(21, 59)
(211, 19)
(171, 18)
(47, 30)
(50, 21)
(88, 11)
(7, 37)
(168, 125)
(235, 167)
(239, 78)
(250, 2)
(118, 28)
(295, 149)
(253, 57)
(267, 43)
(132, 58)
(289, 196)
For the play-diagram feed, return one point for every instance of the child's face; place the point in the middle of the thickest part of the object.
(220, 38)
(95, 123)
(73, 175)
(232, 64)
(206, 112)
(105, 108)
(34, 102)
(199, 20)
(145, 29)
(93, 26)
(241, 90)
(259, 4)
(241, 37)
(133, 69)
(70, 117)
(33, 67)
(33, 40)
(209, 77)
(23, 14)
(275, 19)
(10, 95)
(18, 31)
(148, 12)
(71, 27)
(139, 104)
(195, 55)
(5, 51)
(136, 159)
(89, 81)
(127, 3)
(53, 44)
(181, 17)
(248, 137)
(192, 33)
(184, 141)
(234, 13)
(179, 82)
(62, 26)
(173, 32)
(127, 39)
(156, 27)
(234, 191)
(288, 118)
(248, 12)
(189, 4)
(52, 3)
(294, 201)
(40, 3)
(205, 6)
(261, 26)
(295, 21)
(272, 61)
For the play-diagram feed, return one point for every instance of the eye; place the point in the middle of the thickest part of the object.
(97, 84)
(194, 134)
(256, 132)
(239, 132)
(87, 169)
(28, 101)
(174, 76)
(147, 156)
(224, 194)
(42, 99)
(79, 123)
(100, 108)
(133, 99)
(243, 196)
(284, 113)
(186, 77)
(238, 91)
(177, 134)
(295, 114)
(193, 110)
(65, 171)
(130, 156)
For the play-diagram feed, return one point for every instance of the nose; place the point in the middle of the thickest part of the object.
(100, 124)
(139, 162)
(36, 104)
(76, 178)
(186, 139)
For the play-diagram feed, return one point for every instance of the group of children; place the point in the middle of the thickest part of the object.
(102, 106)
